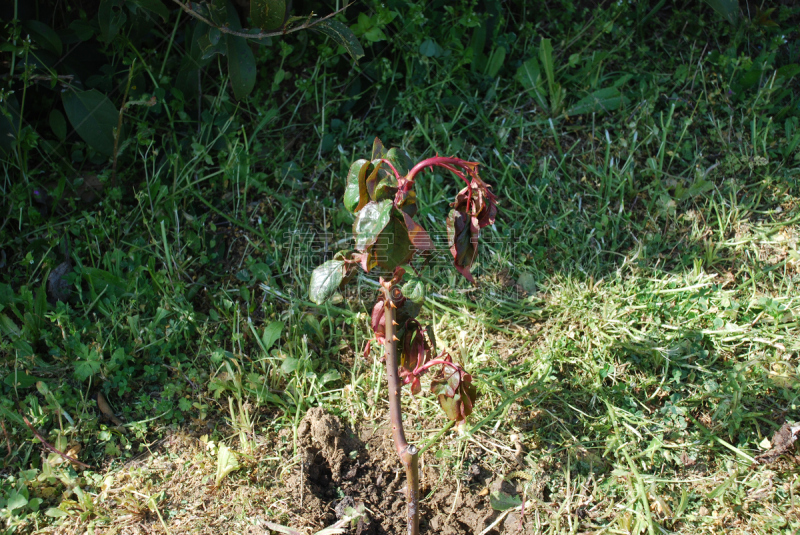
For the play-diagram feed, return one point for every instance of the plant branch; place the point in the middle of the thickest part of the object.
(224, 29)
(396, 174)
(408, 453)
(53, 448)
(447, 163)
(431, 363)
(441, 161)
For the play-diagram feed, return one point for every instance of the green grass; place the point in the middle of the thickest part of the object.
(656, 347)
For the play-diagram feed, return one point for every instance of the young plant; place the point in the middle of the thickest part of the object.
(380, 192)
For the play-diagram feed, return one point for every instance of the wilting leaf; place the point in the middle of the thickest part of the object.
(475, 207)
(378, 322)
(226, 463)
(268, 14)
(370, 222)
(378, 150)
(93, 117)
(455, 390)
(381, 182)
(413, 355)
(342, 35)
(417, 234)
(325, 280)
(463, 241)
(355, 192)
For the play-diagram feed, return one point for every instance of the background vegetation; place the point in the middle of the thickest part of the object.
(636, 323)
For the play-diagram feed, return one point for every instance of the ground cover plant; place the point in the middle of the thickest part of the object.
(632, 334)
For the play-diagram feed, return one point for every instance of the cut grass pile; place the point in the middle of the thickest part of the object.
(634, 334)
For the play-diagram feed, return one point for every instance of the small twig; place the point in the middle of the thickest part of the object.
(306, 25)
(53, 449)
(8, 438)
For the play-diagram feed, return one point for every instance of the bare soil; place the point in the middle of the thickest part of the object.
(342, 468)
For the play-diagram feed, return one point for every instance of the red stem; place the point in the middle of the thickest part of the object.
(447, 163)
(409, 454)
(435, 362)
(387, 162)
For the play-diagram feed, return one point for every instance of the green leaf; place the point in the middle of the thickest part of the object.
(430, 49)
(55, 512)
(153, 6)
(88, 367)
(400, 159)
(329, 377)
(44, 36)
(20, 379)
(500, 501)
(729, 9)
(268, 14)
(355, 192)
(602, 100)
(8, 327)
(15, 500)
(208, 41)
(241, 66)
(546, 57)
(290, 365)
(495, 62)
(529, 75)
(325, 280)
(414, 290)
(341, 35)
(370, 222)
(393, 247)
(110, 17)
(105, 281)
(226, 463)
(58, 124)
(93, 117)
(271, 334)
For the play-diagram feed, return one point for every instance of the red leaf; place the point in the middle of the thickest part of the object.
(379, 322)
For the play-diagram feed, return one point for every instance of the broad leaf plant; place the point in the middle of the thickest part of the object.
(380, 193)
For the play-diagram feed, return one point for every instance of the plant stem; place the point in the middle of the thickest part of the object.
(408, 452)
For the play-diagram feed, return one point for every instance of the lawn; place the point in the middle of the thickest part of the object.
(633, 331)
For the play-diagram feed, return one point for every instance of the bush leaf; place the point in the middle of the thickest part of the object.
(325, 280)
(241, 66)
(268, 14)
(93, 117)
(371, 221)
(355, 193)
(342, 35)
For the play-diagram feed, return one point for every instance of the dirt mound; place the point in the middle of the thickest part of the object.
(342, 469)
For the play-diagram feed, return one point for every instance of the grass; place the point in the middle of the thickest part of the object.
(635, 327)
